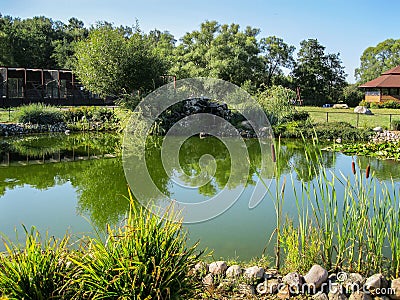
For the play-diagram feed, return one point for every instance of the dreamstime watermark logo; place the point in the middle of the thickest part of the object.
(153, 109)
(342, 284)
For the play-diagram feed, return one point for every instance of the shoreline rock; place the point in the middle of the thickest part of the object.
(233, 282)
(9, 129)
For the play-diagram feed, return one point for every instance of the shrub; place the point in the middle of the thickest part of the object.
(352, 95)
(365, 103)
(39, 114)
(297, 116)
(389, 104)
(386, 104)
(324, 131)
(396, 124)
(276, 101)
(35, 272)
(88, 113)
(145, 259)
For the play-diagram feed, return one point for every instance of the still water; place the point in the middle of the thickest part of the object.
(76, 183)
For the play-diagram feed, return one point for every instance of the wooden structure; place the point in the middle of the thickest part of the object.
(20, 86)
(384, 88)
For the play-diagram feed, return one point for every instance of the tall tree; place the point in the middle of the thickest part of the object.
(110, 63)
(221, 51)
(163, 44)
(64, 46)
(31, 41)
(6, 54)
(276, 54)
(320, 76)
(375, 60)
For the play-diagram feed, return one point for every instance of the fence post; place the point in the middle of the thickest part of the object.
(327, 117)
(390, 121)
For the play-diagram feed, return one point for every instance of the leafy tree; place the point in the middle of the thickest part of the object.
(163, 44)
(6, 55)
(276, 54)
(376, 60)
(321, 76)
(113, 62)
(276, 101)
(31, 42)
(70, 34)
(220, 51)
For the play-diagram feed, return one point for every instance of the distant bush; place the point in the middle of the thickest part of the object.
(89, 113)
(276, 101)
(323, 131)
(396, 125)
(39, 114)
(297, 116)
(352, 95)
(128, 101)
(389, 104)
(386, 104)
(365, 103)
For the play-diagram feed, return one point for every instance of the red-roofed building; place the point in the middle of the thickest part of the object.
(384, 88)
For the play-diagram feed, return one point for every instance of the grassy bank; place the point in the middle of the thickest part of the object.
(381, 116)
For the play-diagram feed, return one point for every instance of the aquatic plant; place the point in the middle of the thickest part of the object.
(146, 258)
(35, 270)
(351, 221)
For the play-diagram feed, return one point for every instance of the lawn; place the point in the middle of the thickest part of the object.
(381, 116)
(7, 116)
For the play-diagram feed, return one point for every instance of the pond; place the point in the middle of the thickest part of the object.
(76, 183)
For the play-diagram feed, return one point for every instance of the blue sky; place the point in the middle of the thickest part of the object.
(344, 26)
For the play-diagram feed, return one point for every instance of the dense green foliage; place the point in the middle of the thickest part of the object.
(39, 114)
(112, 62)
(124, 61)
(323, 131)
(377, 59)
(120, 61)
(35, 270)
(145, 258)
(39, 42)
(358, 231)
(320, 75)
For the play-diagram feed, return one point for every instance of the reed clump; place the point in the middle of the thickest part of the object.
(343, 222)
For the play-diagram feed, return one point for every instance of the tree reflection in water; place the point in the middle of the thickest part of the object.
(46, 161)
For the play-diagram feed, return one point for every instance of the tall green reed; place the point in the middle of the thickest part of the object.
(147, 258)
(344, 222)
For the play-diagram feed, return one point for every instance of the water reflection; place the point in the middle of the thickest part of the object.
(51, 180)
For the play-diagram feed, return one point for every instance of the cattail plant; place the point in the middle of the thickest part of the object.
(367, 170)
(273, 152)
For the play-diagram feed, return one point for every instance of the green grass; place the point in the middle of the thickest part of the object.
(8, 116)
(380, 118)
